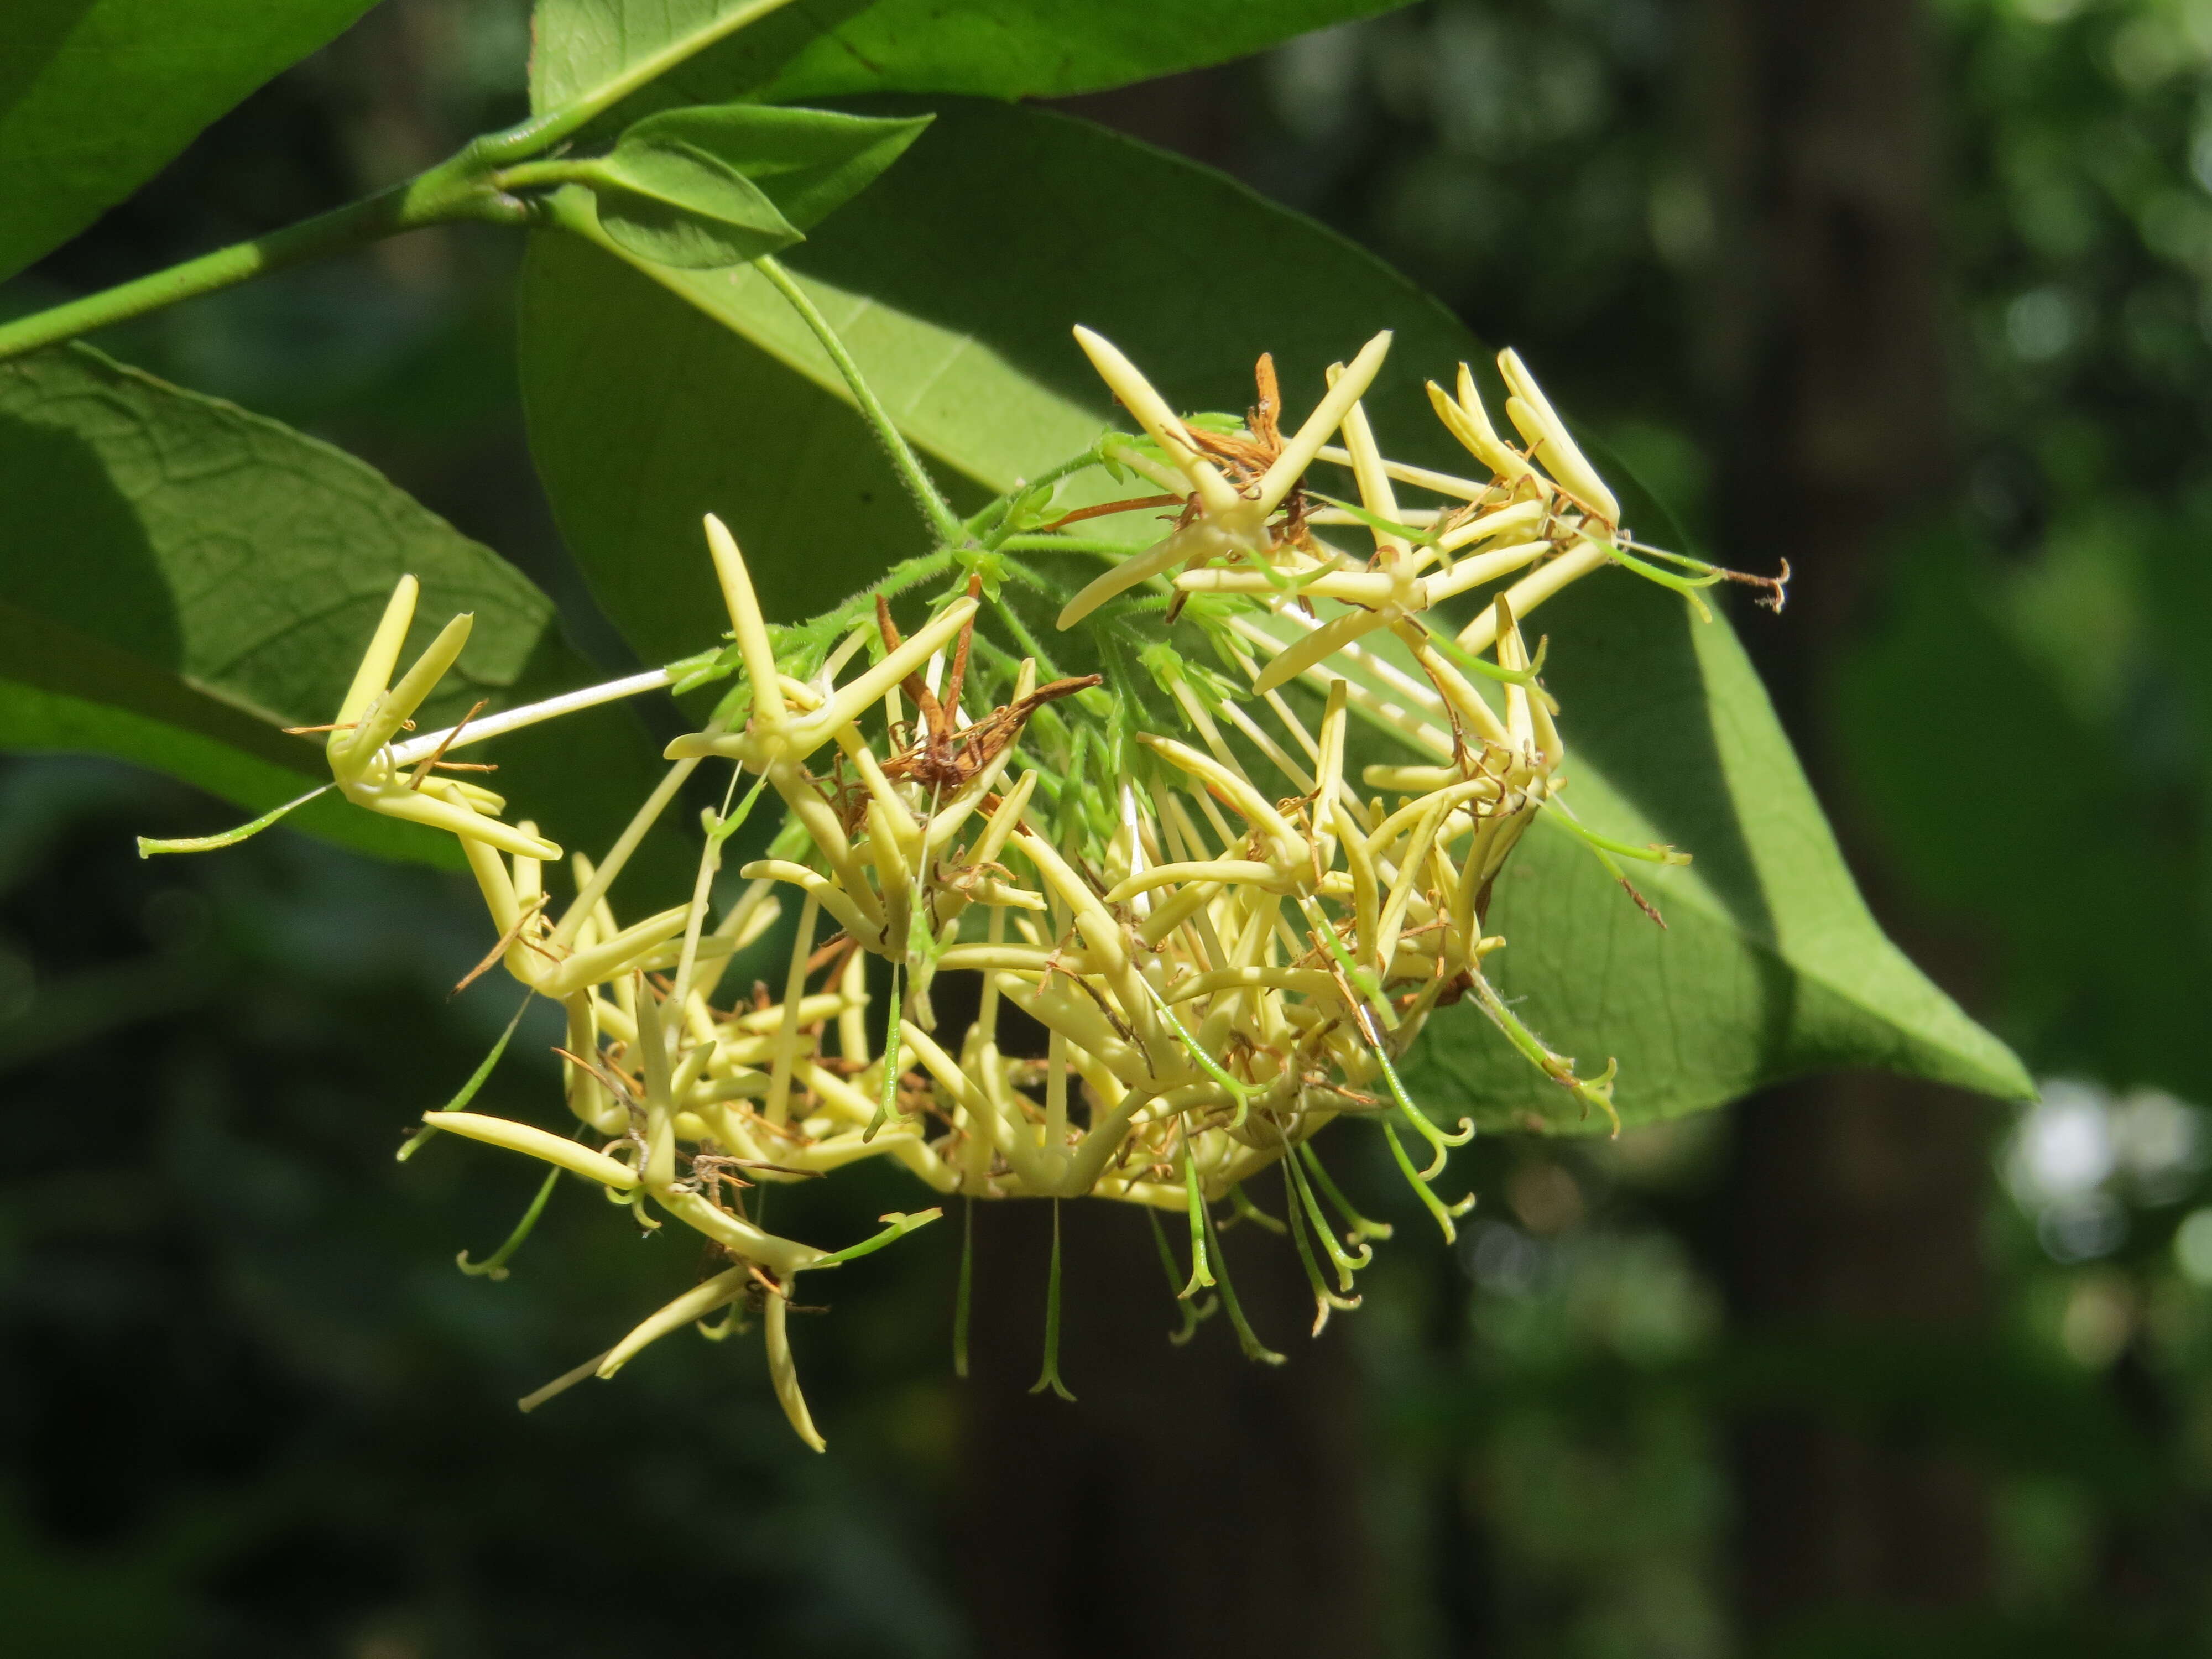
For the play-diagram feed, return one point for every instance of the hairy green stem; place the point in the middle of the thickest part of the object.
(943, 522)
(469, 185)
(994, 513)
(445, 193)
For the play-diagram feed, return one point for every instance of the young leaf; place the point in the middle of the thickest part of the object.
(179, 578)
(712, 185)
(653, 397)
(666, 200)
(807, 163)
(96, 97)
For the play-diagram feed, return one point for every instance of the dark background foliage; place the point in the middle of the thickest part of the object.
(1916, 297)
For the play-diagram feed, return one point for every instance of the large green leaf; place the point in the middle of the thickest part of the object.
(95, 95)
(179, 578)
(826, 48)
(656, 396)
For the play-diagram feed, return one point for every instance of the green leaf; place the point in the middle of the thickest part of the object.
(1770, 966)
(179, 578)
(807, 163)
(828, 48)
(95, 95)
(718, 184)
(654, 398)
(666, 200)
(643, 426)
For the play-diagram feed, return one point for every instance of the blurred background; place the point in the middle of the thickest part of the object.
(1917, 296)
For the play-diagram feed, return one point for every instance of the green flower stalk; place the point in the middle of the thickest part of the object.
(1135, 801)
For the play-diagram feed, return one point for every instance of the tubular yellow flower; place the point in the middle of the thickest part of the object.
(1230, 941)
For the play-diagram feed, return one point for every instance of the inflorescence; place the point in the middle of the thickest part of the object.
(1132, 808)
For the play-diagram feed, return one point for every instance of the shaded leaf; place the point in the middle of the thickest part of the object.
(179, 578)
(654, 398)
(95, 95)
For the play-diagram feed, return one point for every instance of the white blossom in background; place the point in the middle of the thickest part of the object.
(2079, 1158)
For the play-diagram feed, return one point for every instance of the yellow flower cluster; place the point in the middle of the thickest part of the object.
(1242, 959)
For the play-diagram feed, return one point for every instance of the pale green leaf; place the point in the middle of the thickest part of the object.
(807, 163)
(666, 200)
